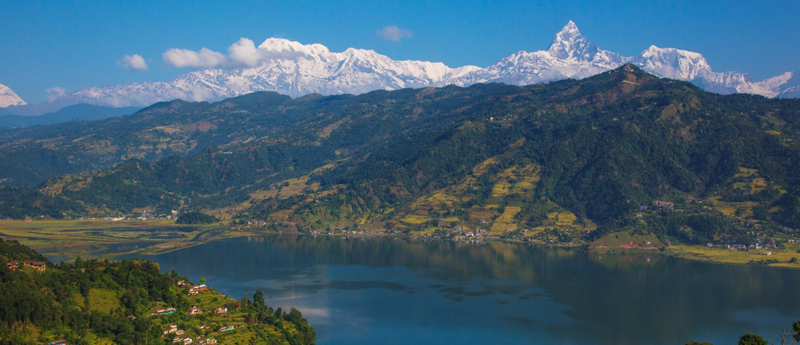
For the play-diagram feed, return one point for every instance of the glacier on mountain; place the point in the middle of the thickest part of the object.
(8, 97)
(297, 69)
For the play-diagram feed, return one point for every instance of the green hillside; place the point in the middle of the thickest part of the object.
(116, 302)
(563, 161)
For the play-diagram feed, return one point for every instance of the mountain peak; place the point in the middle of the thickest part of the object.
(570, 28)
(8, 97)
(282, 45)
(570, 44)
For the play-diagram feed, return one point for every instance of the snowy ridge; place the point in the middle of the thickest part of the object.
(8, 97)
(297, 69)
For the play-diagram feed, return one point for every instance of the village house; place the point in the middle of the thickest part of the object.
(165, 311)
(226, 328)
(195, 311)
(58, 342)
(38, 265)
(180, 333)
(194, 290)
(665, 204)
(170, 329)
(202, 327)
(222, 310)
(13, 265)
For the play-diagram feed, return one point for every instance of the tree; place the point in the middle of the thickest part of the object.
(796, 329)
(258, 299)
(752, 339)
(202, 280)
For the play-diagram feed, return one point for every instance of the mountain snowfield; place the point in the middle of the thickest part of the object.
(8, 97)
(296, 69)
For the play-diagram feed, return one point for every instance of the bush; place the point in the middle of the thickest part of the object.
(195, 218)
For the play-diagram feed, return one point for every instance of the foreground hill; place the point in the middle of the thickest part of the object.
(620, 150)
(127, 302)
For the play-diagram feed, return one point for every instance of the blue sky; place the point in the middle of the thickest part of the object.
(76, 44)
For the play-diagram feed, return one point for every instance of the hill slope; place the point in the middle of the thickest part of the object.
(101, 301)
(566, 157)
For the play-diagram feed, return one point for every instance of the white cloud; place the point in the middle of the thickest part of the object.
(243, 53)
(55, 93)
(134, 62)
(204, 58)
(393, 33)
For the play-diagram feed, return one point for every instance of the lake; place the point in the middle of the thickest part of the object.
(384, 291)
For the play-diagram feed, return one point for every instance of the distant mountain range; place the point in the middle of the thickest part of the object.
(297, 69)
(77, 112)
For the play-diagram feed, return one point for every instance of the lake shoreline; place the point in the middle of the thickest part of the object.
(105, 239)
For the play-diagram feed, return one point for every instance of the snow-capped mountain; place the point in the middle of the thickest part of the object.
(296, 69)
(8, 97)
(570, 55)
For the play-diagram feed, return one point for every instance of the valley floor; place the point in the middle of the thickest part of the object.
(68, 239)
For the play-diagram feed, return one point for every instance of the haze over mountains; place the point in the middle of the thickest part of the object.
(296, 69)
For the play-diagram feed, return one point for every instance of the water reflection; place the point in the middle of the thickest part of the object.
(393, 291)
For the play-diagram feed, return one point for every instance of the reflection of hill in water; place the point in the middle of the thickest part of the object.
(616, 299)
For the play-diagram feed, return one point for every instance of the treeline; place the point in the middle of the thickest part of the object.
(785, 337)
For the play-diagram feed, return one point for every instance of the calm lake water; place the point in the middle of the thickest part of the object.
(383, 291)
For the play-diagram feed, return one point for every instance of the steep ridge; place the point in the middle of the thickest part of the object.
(573, 155)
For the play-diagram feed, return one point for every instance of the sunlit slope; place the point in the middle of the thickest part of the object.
(571, 155)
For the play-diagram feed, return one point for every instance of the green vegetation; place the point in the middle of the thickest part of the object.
(195, 218)
(568, 162)
(94, 301)
(785, 337)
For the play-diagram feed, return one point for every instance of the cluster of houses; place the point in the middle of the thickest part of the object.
(758, 246)
(664, 204)
(229, 328)
(180, 339)
(256, 222)
(37, 265)
(195, 310)
(194, 290)
(173, 329)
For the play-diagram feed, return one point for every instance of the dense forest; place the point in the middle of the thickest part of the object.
(92, 301)
(620, 150)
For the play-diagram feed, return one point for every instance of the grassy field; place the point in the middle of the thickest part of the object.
(618, 239)
(68, 239)
(100, 300)
(783, 256)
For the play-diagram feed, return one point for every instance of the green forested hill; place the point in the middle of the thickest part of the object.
(113, 302)
(564, 158)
